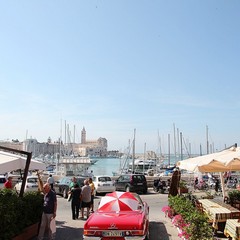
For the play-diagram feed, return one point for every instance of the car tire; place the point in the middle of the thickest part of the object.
(65, 194)
(127, 189)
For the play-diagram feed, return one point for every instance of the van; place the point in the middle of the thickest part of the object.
(131, 183)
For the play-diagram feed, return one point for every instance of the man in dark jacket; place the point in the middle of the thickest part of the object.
(49, 211)
(75, 204)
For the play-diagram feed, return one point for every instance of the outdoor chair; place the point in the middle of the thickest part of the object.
(235, 215)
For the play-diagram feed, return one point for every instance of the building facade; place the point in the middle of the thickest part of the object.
(90, 148)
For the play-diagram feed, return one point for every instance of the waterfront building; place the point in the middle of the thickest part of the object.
(87, 147)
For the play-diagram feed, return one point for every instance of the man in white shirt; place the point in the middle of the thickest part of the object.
(51, 181)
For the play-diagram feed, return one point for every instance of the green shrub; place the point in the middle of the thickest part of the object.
(198, 226)
(234, 196)
(17, 213)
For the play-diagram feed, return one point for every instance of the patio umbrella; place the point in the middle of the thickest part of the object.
(10, 162)
(223, 161)
(118, 201)
(226, 160)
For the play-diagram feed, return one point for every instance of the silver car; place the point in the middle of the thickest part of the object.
(103, 184)
(31, 184)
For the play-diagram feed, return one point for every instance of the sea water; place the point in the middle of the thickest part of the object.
(107, 166)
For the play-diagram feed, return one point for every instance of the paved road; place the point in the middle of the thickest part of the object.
(160, 227)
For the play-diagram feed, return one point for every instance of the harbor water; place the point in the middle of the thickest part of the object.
(106, 166)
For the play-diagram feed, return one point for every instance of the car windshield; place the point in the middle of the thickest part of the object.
(65, 180)
(104, 179)
(32, 180)
(139, 178)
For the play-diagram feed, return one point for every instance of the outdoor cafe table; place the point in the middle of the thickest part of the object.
(217, 211)
(232, 229)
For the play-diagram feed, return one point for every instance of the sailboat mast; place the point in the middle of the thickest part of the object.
(181, 149)
(169, 150)
(144, 157)
(174, 135)
(207, 139)
(133, 154)
(160, 147)
(178, 144)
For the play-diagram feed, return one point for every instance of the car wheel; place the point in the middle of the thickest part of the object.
(65, 194)
(127, 189)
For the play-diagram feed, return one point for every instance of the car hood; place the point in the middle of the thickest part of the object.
(131, 220)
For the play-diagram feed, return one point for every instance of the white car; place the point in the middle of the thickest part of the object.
(103, 184)
(2, 181)
(31, 184)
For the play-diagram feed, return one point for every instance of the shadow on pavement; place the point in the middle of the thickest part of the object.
(158, 231)
(65, 232)
(69, 233)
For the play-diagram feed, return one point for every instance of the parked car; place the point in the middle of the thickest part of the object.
(131, 183)
(103, 184)
(120, 215)
(31, 184)
(2, 181)
(61, 187)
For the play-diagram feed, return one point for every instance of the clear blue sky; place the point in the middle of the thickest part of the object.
(115, 66)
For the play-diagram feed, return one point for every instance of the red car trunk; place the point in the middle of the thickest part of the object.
(112, 220)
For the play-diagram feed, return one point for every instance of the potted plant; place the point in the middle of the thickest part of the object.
(234, 196)
(182, 187)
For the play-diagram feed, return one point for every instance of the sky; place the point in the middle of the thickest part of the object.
(157, 68)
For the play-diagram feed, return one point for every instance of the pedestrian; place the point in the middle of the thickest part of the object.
(85, 198)
(71, 186)
(49, 212)
(175, 180)
(196, 183)
(217, 185)
(91, 184)
(91, 175)
(72, 183)
(51, 181)
(75, 202)
(8, 184)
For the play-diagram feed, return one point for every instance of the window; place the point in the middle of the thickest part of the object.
(32, 180)
(2, 180)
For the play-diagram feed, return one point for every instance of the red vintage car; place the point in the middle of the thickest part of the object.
(120, 216)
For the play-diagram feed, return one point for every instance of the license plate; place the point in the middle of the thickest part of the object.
(139, 184)
(106, 184)
(112, 234)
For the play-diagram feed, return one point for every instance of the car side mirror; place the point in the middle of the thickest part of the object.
(139, 207)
